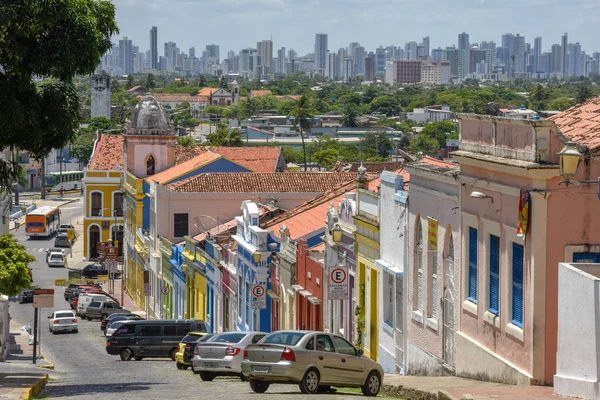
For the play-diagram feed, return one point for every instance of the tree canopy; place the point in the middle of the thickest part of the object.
(83, 143)
(55, 40)
(14, 261)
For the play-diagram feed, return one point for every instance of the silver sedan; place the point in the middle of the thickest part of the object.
(313, 360)
(222, 354)
(62, 321)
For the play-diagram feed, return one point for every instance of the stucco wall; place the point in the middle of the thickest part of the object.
(435, 197)
(577, 369)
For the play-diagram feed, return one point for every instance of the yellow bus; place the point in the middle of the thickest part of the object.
(43, 221)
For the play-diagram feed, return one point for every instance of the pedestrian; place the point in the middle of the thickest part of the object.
(60, 191)
(82, 190)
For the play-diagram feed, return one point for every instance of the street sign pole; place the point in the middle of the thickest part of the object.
(35, 327)
(38, 335)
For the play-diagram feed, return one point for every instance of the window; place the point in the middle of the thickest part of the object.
(125, 330)
(286, 338)
(588, 258)
(517, 284)
(257, 338)
(150, 166)
(343, 346)
(181, 224)
(170, 330)
(494, 274)
(118, 204)
(150, 330)
(418, 276)
(229, 338)
(310, 345)
(96, 204)
(388, 298)
(472, 289)
(324, 343)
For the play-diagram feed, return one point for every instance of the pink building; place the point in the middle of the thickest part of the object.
(518, 222)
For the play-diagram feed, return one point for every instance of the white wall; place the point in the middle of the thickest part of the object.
(577, 363)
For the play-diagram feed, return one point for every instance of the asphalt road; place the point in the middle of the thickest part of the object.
(85, 371)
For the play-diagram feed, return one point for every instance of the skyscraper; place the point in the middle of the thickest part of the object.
(126, 56)
(171, 52)
(565, 59)
(321, 46)
(154, 48)
(280, 67)
(537, 52)
(464, 46)
(213, 51)
(192, 52)
(265, 51)
(425, 43)
(359, 60)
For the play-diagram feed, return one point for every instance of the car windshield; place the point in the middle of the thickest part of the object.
(287, 338)
(190, 338)
(229, 337)
(56, 257)
(205, 338)
(65, 315)
(115, 325)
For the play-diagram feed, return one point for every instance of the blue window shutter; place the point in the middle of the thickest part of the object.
(472, 295)
(494, 274)
(517, 285)
(586, 258)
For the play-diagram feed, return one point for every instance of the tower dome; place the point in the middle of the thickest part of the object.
(149, 118)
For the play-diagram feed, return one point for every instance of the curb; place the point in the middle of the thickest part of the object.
(30, 393)
(49, 365)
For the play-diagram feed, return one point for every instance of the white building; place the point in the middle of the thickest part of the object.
(435, 72)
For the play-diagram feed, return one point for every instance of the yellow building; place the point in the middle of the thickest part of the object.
(367, 251)
(194, 267)
(103, 195)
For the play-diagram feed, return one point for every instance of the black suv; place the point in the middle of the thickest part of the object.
(72, 289)
(92, 271)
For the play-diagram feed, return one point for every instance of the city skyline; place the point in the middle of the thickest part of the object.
(292, 24)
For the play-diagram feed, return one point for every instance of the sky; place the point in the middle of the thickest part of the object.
(237, 24)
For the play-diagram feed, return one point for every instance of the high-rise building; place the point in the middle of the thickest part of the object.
(537, 52)
(455, 57)
(380, 58)
(425, 44)
(153, 48)
(351, 48)
(480, 61)
(575, 60)
(358, 55)
(436, 54)
(520, 52)
(321, 47)
(126, 56)
(347, 69)
(556, 58)
(435, 72)
(410, 50)
(405, 71)
(370, 67)
(332, 68)
(265, 52)
(213, 52)
(464, 46)
(565, 59)
(171, 52)
(192, 52)
(280, 66)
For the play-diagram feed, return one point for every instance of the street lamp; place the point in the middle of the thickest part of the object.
(569, 158)
(479, 195)
(337, 233)
(257, 257)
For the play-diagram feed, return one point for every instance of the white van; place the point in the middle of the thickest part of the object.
(85, 299)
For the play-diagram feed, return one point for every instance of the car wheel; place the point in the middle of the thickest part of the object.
(310, 382)
(104, 316)
(138, 358)
(258, 386)
(207, 376)
(244, 378)
(89, 318)
(179, 366)
(195, 370)
(372, 384)
(126, 354)
(172, 353)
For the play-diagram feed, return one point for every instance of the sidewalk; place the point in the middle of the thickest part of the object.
(455, 388)
(19, 377)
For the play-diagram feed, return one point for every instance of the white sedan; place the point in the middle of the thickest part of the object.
(62, 321)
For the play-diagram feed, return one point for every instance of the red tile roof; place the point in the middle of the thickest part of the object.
(108, 152)
(207, 91)
(179, 98)
(581, 123)
(260, 93)
(257, 159)
(275, 182)
(437, 163)
(180, 169)
(372, 167)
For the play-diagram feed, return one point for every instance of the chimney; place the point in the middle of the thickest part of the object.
(361, 181)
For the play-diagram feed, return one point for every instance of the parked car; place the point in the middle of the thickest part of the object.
(61, 240)
(56, 259)
(92, 271)
(26, 296)
(223, 354)
(313, 360)
(69, 290)
(53, 250)
(151, 338)
(64, 228)
(62, 321)
(84, 299)
(102, 309)
(185, 351)
(112, 326)
(112, 317)
(74, 294)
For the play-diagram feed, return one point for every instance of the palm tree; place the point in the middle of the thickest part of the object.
(350, 117)
(302, 113)
(186, 141)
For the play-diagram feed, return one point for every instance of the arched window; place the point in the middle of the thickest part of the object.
(150, 166)
(418, 263)
(93, 241)
(96, 204)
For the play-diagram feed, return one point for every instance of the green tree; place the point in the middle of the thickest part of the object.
(302, 113)
(385, 104)
(56, 40)
(350, 116)
(186, 141)
(326, 158)
(150, 81)
(292, 155)
(83, 145)
(376, 144)
(538, 96)
(424, 144)
(440, 131)
(583, 93)
(224, 137)
(14, 270)
(130, 82)
(560, 104)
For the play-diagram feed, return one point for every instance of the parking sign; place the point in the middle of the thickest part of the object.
(259, 296)
(338, 283)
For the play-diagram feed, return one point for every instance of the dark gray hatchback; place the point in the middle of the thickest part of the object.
(151, 338)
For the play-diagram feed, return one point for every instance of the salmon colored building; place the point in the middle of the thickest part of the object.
(309, 300)
(519, 220)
